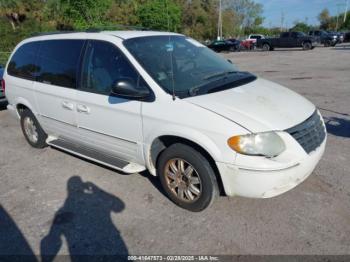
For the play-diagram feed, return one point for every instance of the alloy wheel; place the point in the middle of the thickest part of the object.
(30, 130)
(183, 180)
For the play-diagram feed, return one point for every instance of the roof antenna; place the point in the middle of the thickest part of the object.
(171, 49)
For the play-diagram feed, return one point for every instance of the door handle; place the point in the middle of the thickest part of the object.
(67, 105)
(83, 109)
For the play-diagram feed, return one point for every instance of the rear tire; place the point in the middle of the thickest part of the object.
(32, 130)
(187, 177)
(266, 47)
(307, 46)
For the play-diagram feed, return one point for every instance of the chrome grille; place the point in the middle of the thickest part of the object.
(310, 133)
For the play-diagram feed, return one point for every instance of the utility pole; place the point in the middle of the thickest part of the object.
(336, 27)
(338, 10)
(282, 20)
(220, 22)
(346, 10)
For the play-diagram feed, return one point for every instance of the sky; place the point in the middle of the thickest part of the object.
(301, 10)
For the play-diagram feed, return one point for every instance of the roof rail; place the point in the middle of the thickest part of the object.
(94, 30)
(54, 33)
(117, 27)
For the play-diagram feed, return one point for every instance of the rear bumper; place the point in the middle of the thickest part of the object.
(254, 183)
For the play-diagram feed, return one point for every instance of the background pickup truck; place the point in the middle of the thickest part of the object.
(325, 38)
(287, 40)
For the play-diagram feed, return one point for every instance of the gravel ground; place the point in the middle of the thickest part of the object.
(101, 211)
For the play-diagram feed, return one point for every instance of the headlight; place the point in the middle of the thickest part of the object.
(267, 144)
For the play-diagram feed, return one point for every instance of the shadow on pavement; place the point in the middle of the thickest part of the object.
(13, 245)
(338, 126)
(85, 222)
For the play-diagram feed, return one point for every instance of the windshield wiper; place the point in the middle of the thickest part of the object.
(241, 78)
(219, 74)
(193, 91)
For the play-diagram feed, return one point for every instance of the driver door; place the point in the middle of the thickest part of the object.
(108, 123)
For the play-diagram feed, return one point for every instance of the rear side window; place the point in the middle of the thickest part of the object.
(285, 35)
(23, 62)
(58, 62)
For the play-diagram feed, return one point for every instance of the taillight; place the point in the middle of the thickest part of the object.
(3, 87)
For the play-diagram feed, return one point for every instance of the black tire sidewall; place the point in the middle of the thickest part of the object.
(202, 166)
(307, 46)
(41, 143)
(266, 47)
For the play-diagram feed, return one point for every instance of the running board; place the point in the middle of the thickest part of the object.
(95, 156)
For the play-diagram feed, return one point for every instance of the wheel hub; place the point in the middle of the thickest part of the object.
(30, 130)
(183, 180)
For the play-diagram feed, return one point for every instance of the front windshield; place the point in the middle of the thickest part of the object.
(178, 62)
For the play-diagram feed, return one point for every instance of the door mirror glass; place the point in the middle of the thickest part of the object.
(127, 88)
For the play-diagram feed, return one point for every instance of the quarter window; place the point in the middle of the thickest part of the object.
(23, 62)
(58, 62)
(104, 64)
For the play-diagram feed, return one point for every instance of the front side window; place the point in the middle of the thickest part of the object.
(104, 65)
(182, 64)
(23, 62)
(58, 61)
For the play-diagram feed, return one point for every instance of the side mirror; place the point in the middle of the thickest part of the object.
(126, 88)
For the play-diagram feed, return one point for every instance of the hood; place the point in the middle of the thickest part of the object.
(258, 106)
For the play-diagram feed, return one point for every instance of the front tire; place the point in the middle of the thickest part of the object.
(32, 130)
(187, 177)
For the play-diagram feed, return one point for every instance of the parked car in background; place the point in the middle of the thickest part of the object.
(230, 45)
(287, 40)
(347, 37)
(250, 42)
(324, 38)
(236, 43)
(247, 45)
(2, 87)
(341, 37)
(255, 37)
(164, 102)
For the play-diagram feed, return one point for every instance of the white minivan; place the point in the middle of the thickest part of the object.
(163, 102)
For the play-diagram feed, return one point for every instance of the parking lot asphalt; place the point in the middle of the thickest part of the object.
(56, 203)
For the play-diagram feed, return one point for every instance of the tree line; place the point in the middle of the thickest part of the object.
(340, 22)
(196, 18)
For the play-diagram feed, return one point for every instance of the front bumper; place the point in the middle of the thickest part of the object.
(254, 183)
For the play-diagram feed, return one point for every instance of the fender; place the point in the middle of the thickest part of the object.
(184, 132)
(25, 102)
